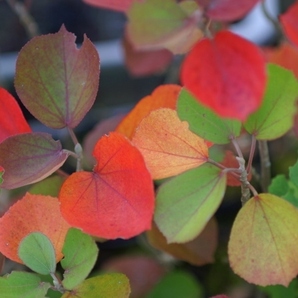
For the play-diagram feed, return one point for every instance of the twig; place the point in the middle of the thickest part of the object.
(265, 165)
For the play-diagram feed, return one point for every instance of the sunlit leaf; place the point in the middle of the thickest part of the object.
(288, 21)
(167, 144)
(204, 122)
(164, 96)
(80, 253)
(185, 204)
(103, 286)
(19, 221)
(38, 253)
(199, 251)
(116, 200)
(56, 81)
(263, 242)
(155, 24)
(119, 5)
(276, 114)
(12, 120)
(227, 74)
(23, 284)
(30, 157)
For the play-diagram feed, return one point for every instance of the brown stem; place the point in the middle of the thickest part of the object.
(265, 165)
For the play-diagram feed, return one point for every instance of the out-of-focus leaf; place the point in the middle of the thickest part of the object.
(185, 204)
(276, 114)
(103, 286)
(263, 242)
(12, 120)
(29, 157)
(116, 200)
(119, 5)
(164, 96)
(33, 213)
(204, 122)
(23, 284)
(281, 291)
(199, 251)
(168, 146)
(288, 21)
(227, 74)
(47, 187)
(56, 81)
(80, 253)
(38, 253)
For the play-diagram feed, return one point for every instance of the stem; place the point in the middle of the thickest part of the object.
(78, 149)
(57, 283)
(231, 171)
(73, 136)
(237, 148)
(251, 154)
(62, 173)
(265, 165)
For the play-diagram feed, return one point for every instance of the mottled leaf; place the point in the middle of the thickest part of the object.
(29, 157)
(116, 200)
(167, 144)
(56, 81)
(19, 221)
(263, 242)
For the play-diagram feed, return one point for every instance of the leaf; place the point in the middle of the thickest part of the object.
(80, 254)
(29, 157)
(198, 252)
(12, 120)
(19, 221)
(23, 284)
(38, 253)
(281, 291)
(119, 5)
(263, 242)
(56, 81)
(168, 146)
(288, 21)
(164, 96)
(293, 173)
(116, 200)
(236, 91)
(103, 286)
(204, 122)
(177, 284)
(155, 24)
(185, 203)
(228, 10)
(276, 114)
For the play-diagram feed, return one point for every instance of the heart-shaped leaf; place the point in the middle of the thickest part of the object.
(116, 200)
(263, 242)
(211, 72)
(276, 114)
(37, 252)
(185, 203)
(168, 146)
(204, 122)
(29, 157)
(19, 221)
(56, 81)
(80, 254)
(12, 120)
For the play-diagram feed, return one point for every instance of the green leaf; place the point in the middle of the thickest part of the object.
(80, 254)
(22, 284)
(281, 291)
(275, 116)
(37, 252)
(177, 284)
(293, 173)
(279, 185)
(56, 81)
(204, 122)
(47, 187)
(103, 286)
(185, 203)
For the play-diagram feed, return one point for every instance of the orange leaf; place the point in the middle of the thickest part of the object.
(164, 96)
(168, 146)
(116, 200)
(263, 242)
(33, 213)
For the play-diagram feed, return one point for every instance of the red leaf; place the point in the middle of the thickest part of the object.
(290, 24)
(120, 5)
(29, 157)
(33, 213)
(116, 200)
(12, 121)
(227, 74)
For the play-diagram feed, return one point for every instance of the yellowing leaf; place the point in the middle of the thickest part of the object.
(168, 146)
(263, 242)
